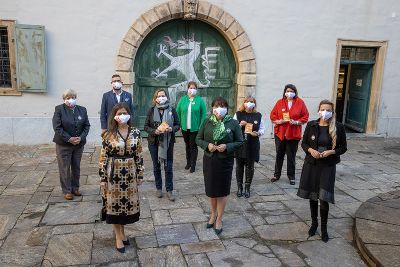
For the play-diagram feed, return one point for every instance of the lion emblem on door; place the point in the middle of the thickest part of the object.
(185, 63)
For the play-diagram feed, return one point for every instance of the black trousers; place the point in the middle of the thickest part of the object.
(247, 166)
(191, 147)
(288, 147)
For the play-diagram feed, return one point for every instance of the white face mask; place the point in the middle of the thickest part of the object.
(117, 85)
(162, 99)
(124, 118)
(70, 102)
(325, 115)
(249, 105)
(220, 111)
(290, 95)
(192, 91)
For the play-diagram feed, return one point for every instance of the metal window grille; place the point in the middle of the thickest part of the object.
(358, 54)
(5, 70)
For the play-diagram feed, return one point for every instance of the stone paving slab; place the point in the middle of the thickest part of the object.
(297, 231)
(175, 234)
(237, 255)
(337, 252)
(168, 256)
(72, 213)
(387, 255)
(39, 227)
(377, 229)
(69, 249)
(104, 251)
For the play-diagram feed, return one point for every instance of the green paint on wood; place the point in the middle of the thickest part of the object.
(180, 51)
(358, 99)
(31, 58)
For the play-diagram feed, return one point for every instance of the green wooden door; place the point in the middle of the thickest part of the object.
(358, 98)
(177, 52)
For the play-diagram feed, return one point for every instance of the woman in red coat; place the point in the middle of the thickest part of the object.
(288, 115)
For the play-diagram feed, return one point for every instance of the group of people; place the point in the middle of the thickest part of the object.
(224, 139)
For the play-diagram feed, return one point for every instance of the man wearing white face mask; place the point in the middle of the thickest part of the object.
(111, 98)
(71, 126)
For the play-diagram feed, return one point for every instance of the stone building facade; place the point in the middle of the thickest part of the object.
(319, 47)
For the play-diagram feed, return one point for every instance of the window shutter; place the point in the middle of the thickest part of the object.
(30, 58)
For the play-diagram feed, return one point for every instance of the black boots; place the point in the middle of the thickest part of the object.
(239, 176)
(249, 179)
(247, 190)
(324, 211)
(243, 166)
(324, 225)
(240, 190)
(314, 218)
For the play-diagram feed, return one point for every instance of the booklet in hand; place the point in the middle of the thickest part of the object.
(163, 127)
(286, 116)
(248, 128)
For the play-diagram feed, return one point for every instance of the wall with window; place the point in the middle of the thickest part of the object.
(294, 42)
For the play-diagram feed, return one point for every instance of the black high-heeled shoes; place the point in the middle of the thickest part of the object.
(211, 225)
(120, 250)
(218, 231)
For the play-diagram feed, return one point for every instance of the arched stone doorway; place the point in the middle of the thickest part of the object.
(228, 27)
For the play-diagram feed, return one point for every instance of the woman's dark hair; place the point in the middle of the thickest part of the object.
(291, 86)
(113, 124)
(219, 102)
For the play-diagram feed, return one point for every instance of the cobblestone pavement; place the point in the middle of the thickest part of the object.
(39, 228)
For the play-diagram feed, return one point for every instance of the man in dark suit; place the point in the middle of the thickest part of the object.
(110, 98)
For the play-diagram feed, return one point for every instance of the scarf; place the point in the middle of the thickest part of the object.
(219, 127)
(163, 138)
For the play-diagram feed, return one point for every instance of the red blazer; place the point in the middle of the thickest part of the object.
(298, 112)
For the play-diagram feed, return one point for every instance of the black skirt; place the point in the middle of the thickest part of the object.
(317, 181)
(217, 175)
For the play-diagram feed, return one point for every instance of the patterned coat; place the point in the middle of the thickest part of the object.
(120, 165)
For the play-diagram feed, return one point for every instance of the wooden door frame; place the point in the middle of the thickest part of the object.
(376, 81)
(220, 19)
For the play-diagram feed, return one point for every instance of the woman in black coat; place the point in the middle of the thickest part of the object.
(161, 124)
(71, 126)
(252, 128)
(324, 141)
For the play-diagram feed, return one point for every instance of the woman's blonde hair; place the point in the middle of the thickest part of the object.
(156, 93)
(68, 93)
(248, 99)
(332, 121)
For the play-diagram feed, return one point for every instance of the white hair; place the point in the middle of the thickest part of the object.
(69, 93)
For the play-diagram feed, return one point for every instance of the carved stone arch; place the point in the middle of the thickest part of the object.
(227, 25)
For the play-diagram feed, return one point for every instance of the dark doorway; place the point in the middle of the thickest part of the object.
(354, 84)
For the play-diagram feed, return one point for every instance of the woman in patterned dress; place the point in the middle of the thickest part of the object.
(121, 171)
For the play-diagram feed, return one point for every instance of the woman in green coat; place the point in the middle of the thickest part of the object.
(220, 136)
(191, 111)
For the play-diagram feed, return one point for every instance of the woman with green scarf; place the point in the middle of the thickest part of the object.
(220, 136)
